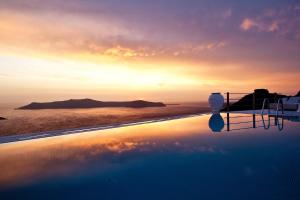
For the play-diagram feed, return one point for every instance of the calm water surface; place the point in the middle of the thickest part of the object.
(33, 121)
(179, 159)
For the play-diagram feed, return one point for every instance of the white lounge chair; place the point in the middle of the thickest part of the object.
(289, 103)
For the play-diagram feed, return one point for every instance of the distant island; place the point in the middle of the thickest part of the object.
(90, 103)
(2, 118)
(245, 103)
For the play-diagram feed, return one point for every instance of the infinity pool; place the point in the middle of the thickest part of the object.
(177, 159)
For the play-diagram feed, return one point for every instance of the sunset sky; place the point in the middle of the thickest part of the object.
(160, 50)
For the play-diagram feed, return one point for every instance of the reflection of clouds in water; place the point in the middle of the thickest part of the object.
(186, 147)
(61, 159)
(121, 146)
(117, 148)
(64, 159)
(64, 155)
(67, 158)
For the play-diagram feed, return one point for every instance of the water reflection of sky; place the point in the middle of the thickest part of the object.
(180, 159)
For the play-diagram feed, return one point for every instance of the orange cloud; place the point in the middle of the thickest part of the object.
(260, 25)
(273, 26)
(119, 51)
(248, 24)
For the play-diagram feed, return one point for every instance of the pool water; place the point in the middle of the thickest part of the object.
(177, 159)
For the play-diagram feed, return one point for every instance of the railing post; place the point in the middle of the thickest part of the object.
(227, 101)
(254, 121)
(253, 101)
(253, 110)
(228, 122)
(228, 104)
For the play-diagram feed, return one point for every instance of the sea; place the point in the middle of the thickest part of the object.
(30, 121)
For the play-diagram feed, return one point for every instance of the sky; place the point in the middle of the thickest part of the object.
(159, 50)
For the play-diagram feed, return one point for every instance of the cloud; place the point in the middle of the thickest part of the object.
(202, 35)
(84, 35)
(209, 46)
(283, 22)
(247, 24)
(227, 13)
(260, 25)
(119, 51)
(273, 26)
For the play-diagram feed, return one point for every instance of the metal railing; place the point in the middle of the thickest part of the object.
(252, 104)
(229, 100)
(255, 123)
(266, 100)
(279, 107)
(229, 124)
(248, 104)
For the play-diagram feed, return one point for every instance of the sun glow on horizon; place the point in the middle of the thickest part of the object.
(35, 73)
(54, 49)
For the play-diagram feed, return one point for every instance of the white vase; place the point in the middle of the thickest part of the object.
(216, 102)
